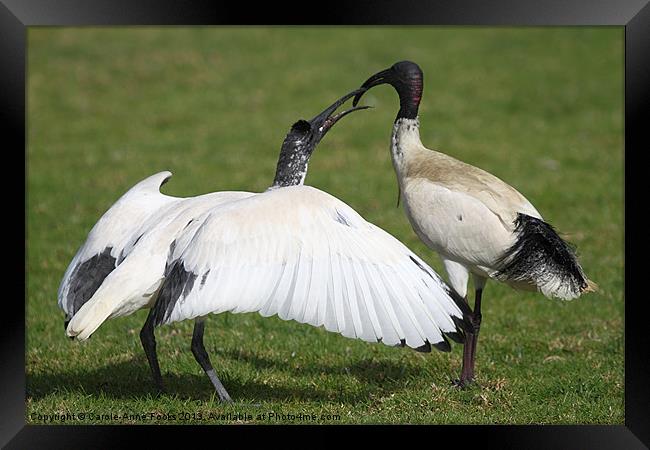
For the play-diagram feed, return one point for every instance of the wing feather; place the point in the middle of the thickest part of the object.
(306, 256)
(355, 327)
(303, 283)
(408, 325)
(371, 327)
(104, 247)
(317, 301)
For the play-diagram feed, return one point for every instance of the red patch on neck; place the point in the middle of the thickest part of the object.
(416, 94)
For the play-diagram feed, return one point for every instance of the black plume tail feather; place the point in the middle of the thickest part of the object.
(540, 257)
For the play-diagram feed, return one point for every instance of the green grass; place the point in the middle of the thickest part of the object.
(539, 107)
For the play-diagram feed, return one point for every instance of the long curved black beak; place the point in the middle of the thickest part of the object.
(324, 121)
(379, 78)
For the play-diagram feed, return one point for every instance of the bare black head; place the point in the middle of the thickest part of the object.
(302, 139)
(407, 79)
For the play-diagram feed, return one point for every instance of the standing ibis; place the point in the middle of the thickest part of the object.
(477, 223)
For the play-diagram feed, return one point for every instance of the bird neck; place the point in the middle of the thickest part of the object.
(292, 166)
(409, 105)
(405, 142)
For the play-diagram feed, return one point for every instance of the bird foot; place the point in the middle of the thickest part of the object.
(463, 384)
(159, 389)
(225, 399)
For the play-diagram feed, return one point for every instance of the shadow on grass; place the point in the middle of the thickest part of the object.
(367, 370)
(131, 379)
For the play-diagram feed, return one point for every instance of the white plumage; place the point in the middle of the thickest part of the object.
(302, 254)
(107, 240)
(477, 223)
(465, 224)
(139, 267)
(292, 250)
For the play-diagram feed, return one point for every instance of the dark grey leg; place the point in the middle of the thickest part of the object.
(467, 371)
(471, 341)
(149, 344)
(476, 321)
(204, 360)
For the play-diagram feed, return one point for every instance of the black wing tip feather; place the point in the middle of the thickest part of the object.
(443, 346)
(426, 348)
(456, 336)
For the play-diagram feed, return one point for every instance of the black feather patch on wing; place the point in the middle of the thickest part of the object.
(539, 256)
(87, 277)
(178, 283)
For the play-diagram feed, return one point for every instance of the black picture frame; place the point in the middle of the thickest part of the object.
(633, 15)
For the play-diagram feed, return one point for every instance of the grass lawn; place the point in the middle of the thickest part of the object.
(539, 107)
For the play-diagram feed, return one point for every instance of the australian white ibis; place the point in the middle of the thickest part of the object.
(304, 255)
(476, 223)
(292, 250)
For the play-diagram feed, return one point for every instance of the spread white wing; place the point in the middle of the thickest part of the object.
(104, 247)
(133, 284)
(304, 255)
